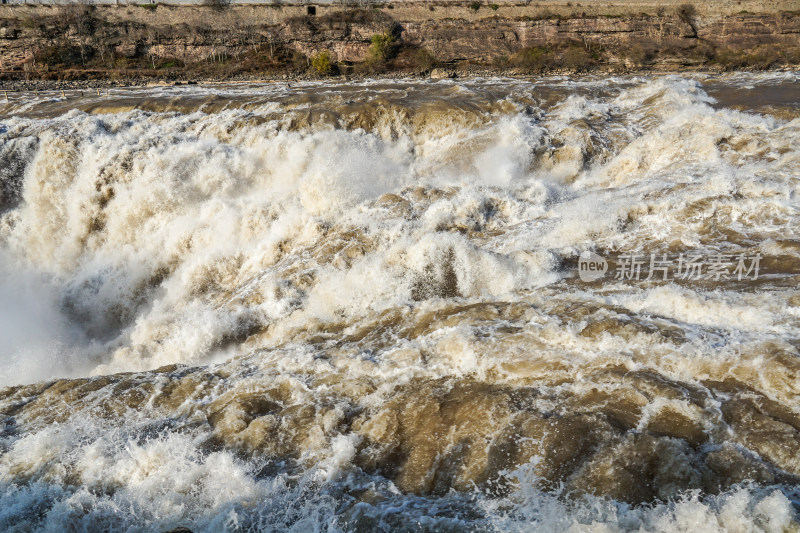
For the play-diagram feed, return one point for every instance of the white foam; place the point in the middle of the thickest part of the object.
(145, 239)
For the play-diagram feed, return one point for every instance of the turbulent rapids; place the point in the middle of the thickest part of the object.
(357, 307)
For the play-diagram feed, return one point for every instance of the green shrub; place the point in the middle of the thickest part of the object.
(66, 55)
(535, 58)
(494, 7)
(381, 48)
(576, 58)
(321, 63)
(475, 6)
(424, 60)
(500, 61)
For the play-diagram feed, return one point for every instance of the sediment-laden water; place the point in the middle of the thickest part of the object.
(358, 307)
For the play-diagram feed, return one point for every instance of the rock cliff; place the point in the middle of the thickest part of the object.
(626, 33)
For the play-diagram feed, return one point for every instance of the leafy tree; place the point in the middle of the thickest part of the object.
(322, 63)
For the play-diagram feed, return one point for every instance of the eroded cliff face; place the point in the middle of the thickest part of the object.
(489, 38)
(449, 32)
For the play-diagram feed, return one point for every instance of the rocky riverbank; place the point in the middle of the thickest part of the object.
(83, 46)
(31, 85)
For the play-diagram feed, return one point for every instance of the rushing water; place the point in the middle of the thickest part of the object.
(357, 307)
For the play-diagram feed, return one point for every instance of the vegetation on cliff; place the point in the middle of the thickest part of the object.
(81, 41)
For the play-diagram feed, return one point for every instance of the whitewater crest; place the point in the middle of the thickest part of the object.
(357, 307)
